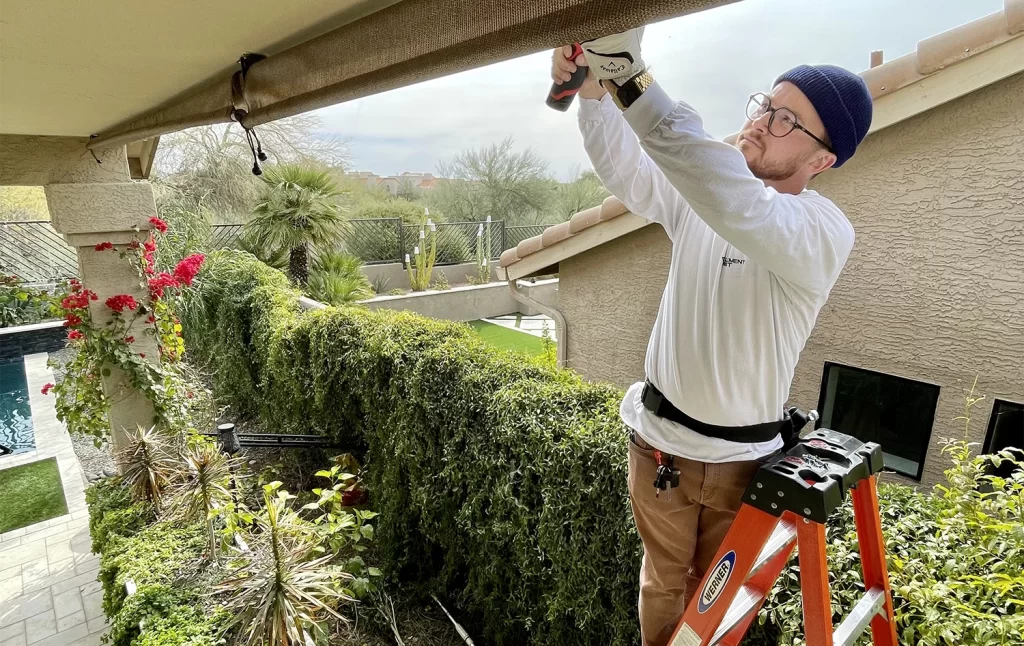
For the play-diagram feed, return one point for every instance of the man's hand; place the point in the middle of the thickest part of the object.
(562, 68)
(616, 57)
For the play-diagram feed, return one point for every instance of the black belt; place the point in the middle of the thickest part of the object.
(658, 404)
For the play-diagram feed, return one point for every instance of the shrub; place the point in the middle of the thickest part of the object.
(112, 512)
(501, 482)
(338, 278)
(421, 395)
(21, 305)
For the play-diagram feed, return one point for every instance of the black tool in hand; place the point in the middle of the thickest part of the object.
(560, 97)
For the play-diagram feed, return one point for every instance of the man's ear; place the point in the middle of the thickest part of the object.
(821, 162)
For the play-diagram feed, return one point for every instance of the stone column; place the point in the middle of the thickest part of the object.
(91, 212)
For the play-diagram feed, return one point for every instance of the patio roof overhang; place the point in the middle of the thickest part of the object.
(125, 72)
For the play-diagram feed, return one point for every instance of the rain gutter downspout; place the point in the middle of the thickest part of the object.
(560, 329)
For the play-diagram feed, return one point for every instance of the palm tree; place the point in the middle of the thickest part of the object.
(297, 208)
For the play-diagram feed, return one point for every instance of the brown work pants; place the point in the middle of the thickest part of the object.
(681, 529)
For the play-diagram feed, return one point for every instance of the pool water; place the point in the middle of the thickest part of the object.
(15, 413)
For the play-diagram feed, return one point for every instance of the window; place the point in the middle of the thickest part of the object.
(1005, 431)
(896, 413)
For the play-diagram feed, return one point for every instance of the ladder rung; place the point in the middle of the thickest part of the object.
(859, 618)
(783, 534)
(746, 600)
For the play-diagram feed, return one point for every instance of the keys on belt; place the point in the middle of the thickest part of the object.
(667, 476)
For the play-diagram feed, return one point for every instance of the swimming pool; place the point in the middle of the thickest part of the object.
(15, 412)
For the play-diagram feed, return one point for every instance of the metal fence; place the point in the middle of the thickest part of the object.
(36, 253)
(386, 240)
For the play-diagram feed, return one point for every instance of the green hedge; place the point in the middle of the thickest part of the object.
(166, 563)
(501, 483)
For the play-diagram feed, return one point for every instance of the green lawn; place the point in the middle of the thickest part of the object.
(508, 339)
(30, 493)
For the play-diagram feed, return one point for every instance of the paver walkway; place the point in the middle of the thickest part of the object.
(49, 595)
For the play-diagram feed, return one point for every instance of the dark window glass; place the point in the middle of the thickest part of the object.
(1005, 431)
(896, 413)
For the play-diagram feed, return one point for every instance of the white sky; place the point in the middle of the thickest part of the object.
(713, 60)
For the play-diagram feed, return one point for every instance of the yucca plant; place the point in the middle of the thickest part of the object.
(421, 265)
(297, 208)
(148, 464)
(281, 593)
(337, 278)
(205, 487)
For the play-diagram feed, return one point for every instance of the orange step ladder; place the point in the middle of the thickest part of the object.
(786, 505)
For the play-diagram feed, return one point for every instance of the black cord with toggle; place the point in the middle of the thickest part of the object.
(239, 113)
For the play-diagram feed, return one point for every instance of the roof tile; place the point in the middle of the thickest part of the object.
(555, 233)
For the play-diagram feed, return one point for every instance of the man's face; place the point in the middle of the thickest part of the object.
(773, 158)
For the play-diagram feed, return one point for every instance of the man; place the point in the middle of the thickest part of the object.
(754, 256)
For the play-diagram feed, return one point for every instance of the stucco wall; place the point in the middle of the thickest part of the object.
(609, 297)
(934, 289)
(471, 302)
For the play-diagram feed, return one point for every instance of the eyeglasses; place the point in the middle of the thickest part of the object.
(782, 122)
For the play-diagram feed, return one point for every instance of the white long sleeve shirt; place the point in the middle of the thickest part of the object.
(750, 270)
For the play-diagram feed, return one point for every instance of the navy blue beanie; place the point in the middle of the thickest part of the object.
(842, 100)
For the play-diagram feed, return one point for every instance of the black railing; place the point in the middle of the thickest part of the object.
(34, 252)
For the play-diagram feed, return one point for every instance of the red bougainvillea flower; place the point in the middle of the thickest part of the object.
(142, 354)
(103, 246)
(46, 389)
(121, 302)
(158, 224)
(129, 339)
(158, 283)
(150, 319)
(71, 320)
(187, 269)
(75, 335)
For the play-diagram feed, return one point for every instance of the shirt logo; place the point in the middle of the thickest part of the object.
(732, 261)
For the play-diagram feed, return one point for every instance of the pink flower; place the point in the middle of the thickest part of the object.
(187, 269)
(103, 246)
(46, 389)
(158, 224)
(158, 283)
(122, 302)
(75, 335)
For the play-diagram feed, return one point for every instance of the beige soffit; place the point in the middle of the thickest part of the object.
(74, 68)
(942, 68)
(407, 42)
